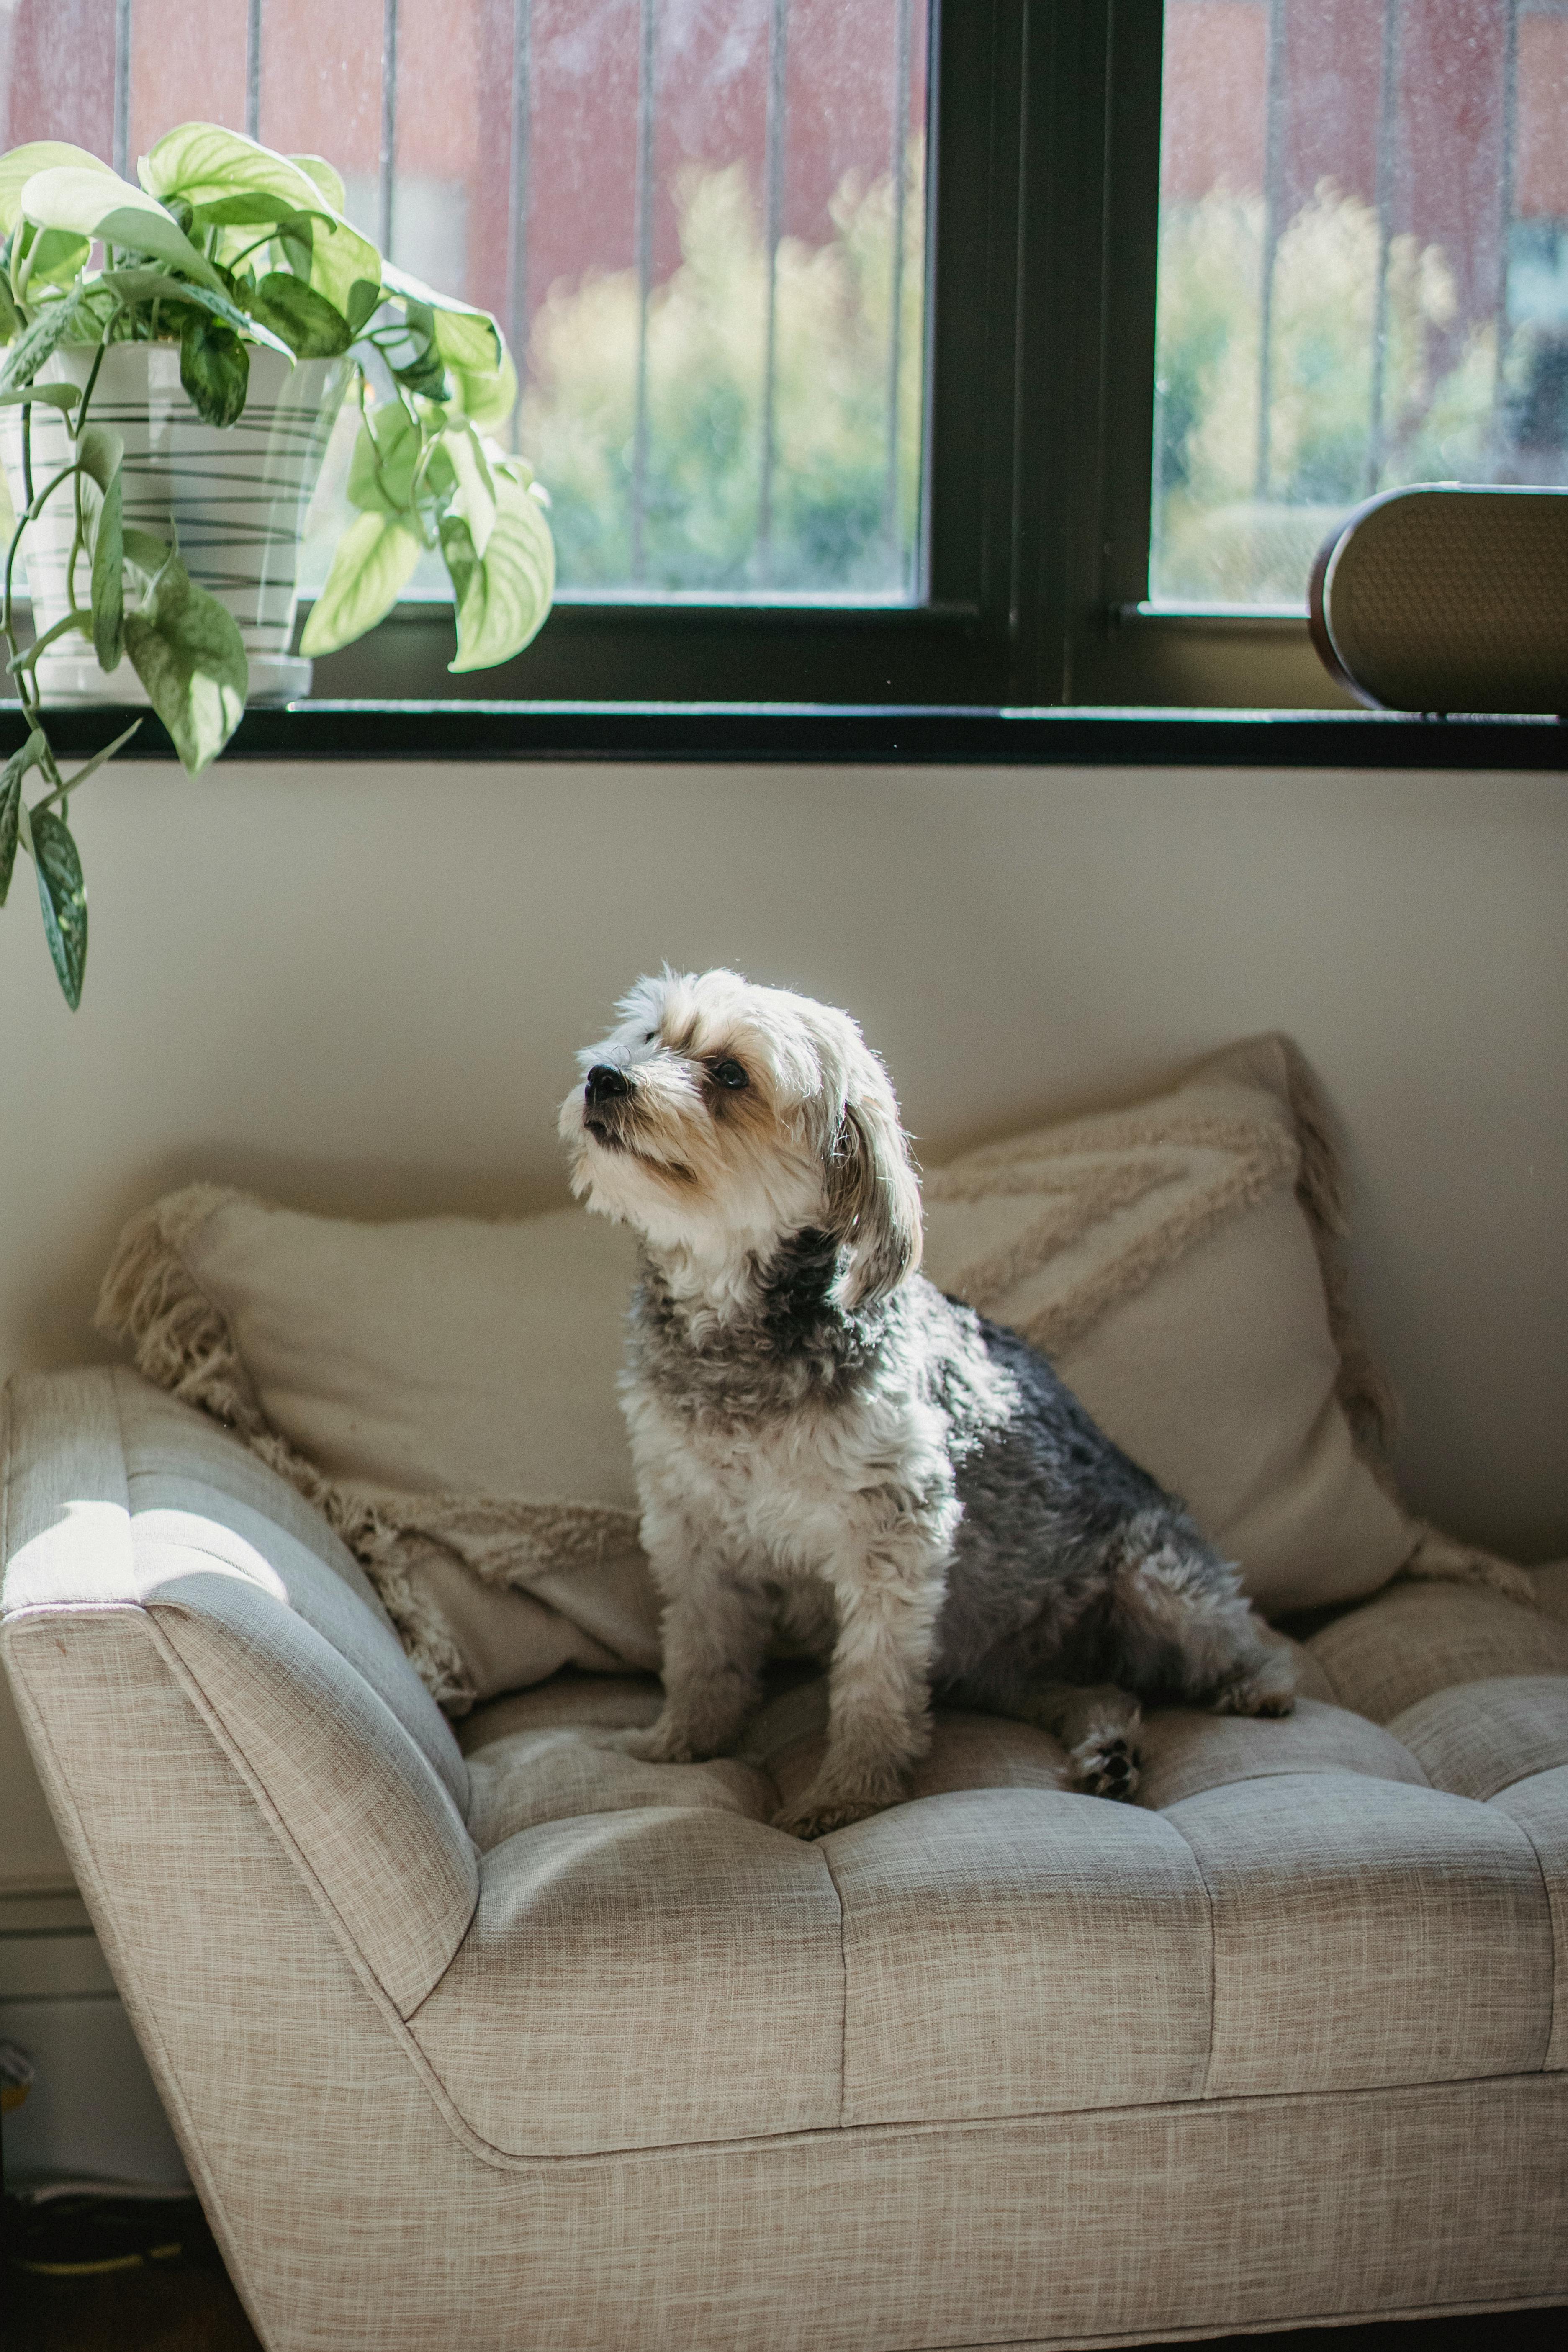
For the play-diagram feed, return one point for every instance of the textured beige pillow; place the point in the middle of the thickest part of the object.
(445, 1389)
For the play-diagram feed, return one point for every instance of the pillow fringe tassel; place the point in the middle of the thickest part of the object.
(183, 1343)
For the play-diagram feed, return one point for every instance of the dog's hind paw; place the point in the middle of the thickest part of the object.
(1102, 1766)
(1268, 1688)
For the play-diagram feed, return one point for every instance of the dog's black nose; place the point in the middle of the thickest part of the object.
(606, 1084)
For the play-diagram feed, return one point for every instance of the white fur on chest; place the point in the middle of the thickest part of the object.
(792, 1497)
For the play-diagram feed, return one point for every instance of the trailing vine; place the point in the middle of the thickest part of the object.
(224, 246)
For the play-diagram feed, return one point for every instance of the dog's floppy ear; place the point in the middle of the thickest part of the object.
(873, 1194)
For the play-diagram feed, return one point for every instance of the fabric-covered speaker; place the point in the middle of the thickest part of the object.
(1446, 598)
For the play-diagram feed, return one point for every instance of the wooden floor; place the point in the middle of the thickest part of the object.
(188, 2306)
(179, 2310)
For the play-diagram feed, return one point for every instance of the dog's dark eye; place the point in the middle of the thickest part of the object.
(730, 1074)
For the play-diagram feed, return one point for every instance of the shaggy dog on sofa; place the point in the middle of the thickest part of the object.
(827, 1446)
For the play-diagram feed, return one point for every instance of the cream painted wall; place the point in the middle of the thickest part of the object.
(359, 990)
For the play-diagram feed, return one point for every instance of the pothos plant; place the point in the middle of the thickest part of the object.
(223, 246)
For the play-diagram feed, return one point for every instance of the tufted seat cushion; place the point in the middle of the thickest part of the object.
(1372, 1893)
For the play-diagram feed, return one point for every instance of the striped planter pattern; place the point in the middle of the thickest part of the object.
(234, 500)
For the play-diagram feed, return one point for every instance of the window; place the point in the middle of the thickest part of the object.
(701, 223)
(1364, 271)
(997, 352)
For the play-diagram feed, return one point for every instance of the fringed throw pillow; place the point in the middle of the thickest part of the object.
(444, 1389)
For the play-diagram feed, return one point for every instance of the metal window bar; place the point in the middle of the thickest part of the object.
(517, 187)
(647, 66)
(773, 199)
(1273, 172)
(1157, 460)
(388, 126)
(253, 70)
(122, 87)
(1387, 137)
(1504, 216)
(896, 320)
(917, 578)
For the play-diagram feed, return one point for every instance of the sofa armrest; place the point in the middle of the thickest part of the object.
(275, 1652)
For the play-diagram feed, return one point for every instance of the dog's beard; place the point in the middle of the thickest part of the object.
(708, 1204)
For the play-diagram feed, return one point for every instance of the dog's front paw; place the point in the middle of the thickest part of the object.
(812, 1819)
(657, 1743)
(1102, 1766)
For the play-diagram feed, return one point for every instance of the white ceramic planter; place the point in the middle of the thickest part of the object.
(234, 500)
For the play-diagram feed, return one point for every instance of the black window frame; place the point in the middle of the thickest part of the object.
(1044, 194)
(1036, 642)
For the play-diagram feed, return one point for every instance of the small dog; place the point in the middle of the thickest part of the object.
(827, 1446)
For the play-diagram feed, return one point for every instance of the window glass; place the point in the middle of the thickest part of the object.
(1364, 271)
(701, 222)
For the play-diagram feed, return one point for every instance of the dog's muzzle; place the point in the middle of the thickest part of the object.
(608, 1091)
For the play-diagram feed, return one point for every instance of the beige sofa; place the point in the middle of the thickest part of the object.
(518, 2042)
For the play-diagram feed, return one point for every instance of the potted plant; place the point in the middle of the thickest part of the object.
(177, 354)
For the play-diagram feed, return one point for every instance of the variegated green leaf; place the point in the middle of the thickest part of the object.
(154, 286)
(317, 168)
(187, 651)
(146, 551)
(204, 163)
(12, 777)
(468, 344)
(311, 326)
(486, 400)
(505, 596)
(473, 485)
(37, 342)
(56, 259)
(101, 204)
(374, 558)
(215, 370)
(39, 155)
(100, 451)
(62, 894)
(53, 395)
(385, 452)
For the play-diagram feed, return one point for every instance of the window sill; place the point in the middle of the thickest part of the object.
(840, 734)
